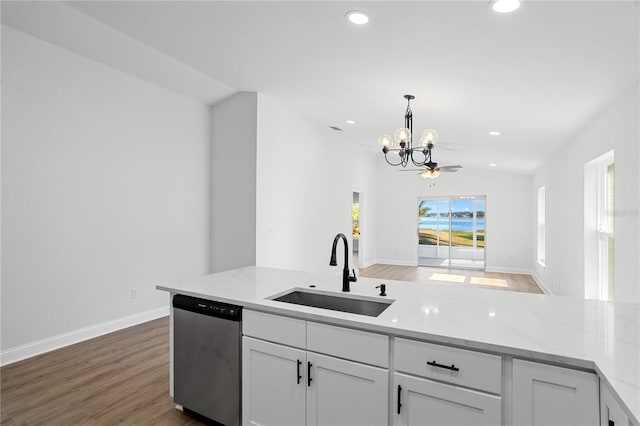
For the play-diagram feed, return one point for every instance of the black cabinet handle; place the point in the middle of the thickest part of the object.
(309, 374)
(399, 393)
(612, 423)
(299, 376)
(447, 367)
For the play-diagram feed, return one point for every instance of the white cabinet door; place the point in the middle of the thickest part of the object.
(423, 402)
(346, 393)
(611, 412)
(548, 395)
(273, 384)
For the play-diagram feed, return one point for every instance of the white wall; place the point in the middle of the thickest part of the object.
(508, 213)
(105, 187)
(563, 176)
(305, 176)
(233, 182)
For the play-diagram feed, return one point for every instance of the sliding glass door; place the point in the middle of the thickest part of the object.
(451, 232)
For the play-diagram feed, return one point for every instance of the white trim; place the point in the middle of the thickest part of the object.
(396, 262)
(38, 347)
(366, 264)
(540, 283)
(508, 270)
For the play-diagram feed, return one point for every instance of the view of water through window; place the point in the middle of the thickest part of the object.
(451, 229)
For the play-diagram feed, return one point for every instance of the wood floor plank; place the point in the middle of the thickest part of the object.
(119, 378)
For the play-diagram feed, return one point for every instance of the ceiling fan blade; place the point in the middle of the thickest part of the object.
(450, 167)
(409, 170)
(448, 170)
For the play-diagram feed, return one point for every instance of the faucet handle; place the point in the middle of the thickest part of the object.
(353, 278)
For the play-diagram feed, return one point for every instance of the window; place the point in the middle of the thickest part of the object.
(541, 226)
(605, 227)
(599, 223)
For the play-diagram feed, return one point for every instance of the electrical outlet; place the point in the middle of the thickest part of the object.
(134, 293)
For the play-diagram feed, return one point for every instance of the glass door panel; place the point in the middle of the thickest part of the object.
(433, 232)
(451, 232)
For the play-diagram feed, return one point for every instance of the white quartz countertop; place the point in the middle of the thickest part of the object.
(602, 336)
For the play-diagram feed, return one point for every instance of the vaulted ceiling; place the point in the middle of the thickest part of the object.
(538, 75)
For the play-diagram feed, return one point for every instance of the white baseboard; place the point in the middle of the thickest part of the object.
(540, 283)
(508, 270)
(369, 263)
(397, 262)
(38, 347)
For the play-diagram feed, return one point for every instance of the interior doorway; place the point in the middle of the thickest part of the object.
(356, 229)
(452, 231)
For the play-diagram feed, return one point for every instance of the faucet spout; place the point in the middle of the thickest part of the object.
(346, 277)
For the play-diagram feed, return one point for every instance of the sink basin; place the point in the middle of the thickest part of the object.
(342, 303)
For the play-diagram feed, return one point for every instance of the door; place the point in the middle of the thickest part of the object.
(273, 384)
(451, 232)
(549, 395)
(467, 232)
(357, 247)
(346, 393)
(422, 402)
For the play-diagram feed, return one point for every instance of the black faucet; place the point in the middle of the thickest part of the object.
(346, 278)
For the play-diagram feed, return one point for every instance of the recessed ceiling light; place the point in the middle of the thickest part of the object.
(357, 17)
(492, 164)
(505, 6)
(350, 122)
(493, 133)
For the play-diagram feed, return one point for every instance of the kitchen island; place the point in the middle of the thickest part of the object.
(586, 335)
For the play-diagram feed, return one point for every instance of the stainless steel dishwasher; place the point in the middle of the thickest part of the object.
(207, 339)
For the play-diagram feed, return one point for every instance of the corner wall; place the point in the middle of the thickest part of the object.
(306, 173)
(233, 182)
(105, 188)
(563, 176)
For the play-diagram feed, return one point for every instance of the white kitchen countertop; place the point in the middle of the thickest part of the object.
(602, 336)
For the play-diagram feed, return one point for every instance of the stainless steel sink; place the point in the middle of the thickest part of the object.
(342, 303)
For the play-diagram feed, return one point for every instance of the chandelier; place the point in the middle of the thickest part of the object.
(399, 150)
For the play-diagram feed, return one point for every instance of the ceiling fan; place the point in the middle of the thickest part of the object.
(432, 171)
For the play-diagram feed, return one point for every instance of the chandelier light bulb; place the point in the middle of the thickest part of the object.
(428, 136)
(385, 141)
(402, 135)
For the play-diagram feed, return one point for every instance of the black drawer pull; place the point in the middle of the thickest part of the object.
(399, 393)
(309, 374)
(447, 367)
(299, 376)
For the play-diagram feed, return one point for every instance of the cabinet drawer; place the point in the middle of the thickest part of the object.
(274, 328)
(476, 370)
(361, 346)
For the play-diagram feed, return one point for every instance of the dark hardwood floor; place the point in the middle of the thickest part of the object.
(119, 378)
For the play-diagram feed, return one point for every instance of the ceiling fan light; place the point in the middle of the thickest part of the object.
(428, 136)
(426, 174)
(385, 141)
(435, 174)
(402, 135)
